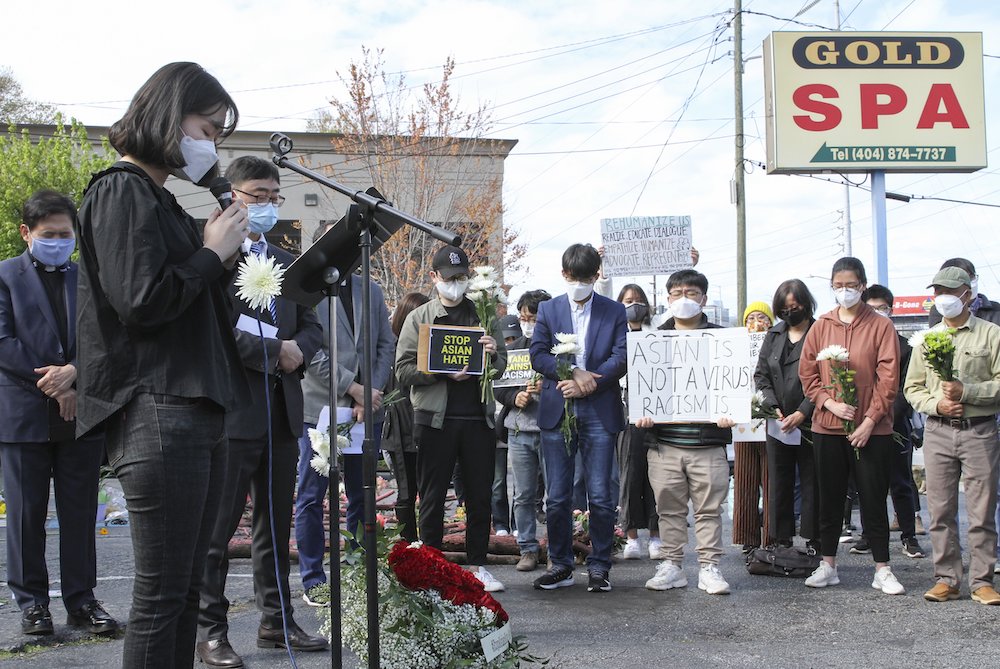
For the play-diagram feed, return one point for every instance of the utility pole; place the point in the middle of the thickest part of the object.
(848, 248)
(740, 173)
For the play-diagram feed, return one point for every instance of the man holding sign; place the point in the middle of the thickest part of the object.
(451, 423)
(687, 463)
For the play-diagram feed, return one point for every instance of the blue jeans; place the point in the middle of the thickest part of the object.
(580, 484)
(169, 454)
(526, 461)
(310, 536)
(499, 503)
(597, 446)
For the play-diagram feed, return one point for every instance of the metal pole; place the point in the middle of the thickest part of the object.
(878, 227)
(332, 279)
(740, 173)
(848, 245)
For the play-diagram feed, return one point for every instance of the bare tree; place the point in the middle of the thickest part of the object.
(427, 156)
(15, 108)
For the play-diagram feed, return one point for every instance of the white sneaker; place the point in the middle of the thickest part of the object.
(654, 548)
(710, 580)
(667, 576)
(503, 533)
(823, 576)
(632, 550)
(490, 584)
(886, 581)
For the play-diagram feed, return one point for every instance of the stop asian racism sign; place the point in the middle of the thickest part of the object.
(855, 102)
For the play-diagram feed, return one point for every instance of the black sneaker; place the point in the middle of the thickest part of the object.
(911, 548)
(862, 547)
(556, 577)
(598, 581)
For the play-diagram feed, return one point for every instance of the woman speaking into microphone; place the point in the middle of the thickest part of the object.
(158, 364)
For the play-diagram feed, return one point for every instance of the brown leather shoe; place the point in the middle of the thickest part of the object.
(942, 592)
(298, 639)
(218, 653)
(986, 595)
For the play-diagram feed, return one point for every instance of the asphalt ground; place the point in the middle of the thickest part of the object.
(765, 622)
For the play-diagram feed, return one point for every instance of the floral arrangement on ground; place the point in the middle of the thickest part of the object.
(432, 613)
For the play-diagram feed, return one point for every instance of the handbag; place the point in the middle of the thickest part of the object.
(781, 561)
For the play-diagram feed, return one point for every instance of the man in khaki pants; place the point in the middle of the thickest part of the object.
(960, 438)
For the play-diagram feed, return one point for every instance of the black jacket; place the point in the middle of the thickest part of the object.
(779, 380)
(153, 314)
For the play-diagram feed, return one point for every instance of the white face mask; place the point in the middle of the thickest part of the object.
(199, 158)
(578, 292)
(949, 306)
(975, 287)
(452, 290)
(685, 308)
(527, 328)
(847, 297)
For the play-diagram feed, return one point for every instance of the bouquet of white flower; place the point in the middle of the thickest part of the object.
(842, 380)
(566, 351)
(487, 295)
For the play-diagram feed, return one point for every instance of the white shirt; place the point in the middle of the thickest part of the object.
(248, 242)
(581, 322)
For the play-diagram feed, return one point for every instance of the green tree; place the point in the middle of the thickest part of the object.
(62, 161)
(15, 108)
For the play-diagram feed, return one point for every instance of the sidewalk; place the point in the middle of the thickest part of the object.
(766, 621)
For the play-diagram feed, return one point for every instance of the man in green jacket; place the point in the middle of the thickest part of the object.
(451, 423)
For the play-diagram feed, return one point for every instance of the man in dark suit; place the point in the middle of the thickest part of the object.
(291, 336)
(595, 396)
(38, 423)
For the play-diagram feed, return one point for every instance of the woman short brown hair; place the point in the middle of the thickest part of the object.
(150, 130)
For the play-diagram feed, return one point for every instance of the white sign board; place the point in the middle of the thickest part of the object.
(691, 376)
(646, 245)
(856, 101)
(356, 436)
(755, 430)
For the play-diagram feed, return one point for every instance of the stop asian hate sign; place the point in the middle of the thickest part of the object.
(855, 102)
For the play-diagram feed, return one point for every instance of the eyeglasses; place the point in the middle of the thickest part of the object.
(849, 286)
(883, 309)
(690, 293)
(276, 200)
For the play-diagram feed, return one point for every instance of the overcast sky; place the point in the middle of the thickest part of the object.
(591, 90)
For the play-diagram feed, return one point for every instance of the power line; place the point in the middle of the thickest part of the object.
(899, 14)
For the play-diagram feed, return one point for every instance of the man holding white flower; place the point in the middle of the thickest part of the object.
(960, 438)
(453, 422)
(578, 346)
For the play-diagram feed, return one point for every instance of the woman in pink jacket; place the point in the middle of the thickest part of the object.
(857, 435)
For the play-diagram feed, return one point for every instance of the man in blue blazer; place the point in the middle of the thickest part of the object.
(595, 399)
(38, 423)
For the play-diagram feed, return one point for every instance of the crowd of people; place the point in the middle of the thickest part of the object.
(143, 354)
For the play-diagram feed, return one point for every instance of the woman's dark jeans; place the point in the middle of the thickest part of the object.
(169, 454)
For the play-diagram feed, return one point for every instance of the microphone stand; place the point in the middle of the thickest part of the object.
(373, 220)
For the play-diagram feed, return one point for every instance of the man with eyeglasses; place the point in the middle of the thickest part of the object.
(687, 463)
(902, 488)
(960, 441)
(266, 470)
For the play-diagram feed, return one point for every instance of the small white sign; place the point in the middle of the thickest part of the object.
(344, 415)
(495, 643)
(646, 245)
(790, 438)
(256, 327)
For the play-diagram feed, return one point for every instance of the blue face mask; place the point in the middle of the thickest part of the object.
(52, 252)
(262, 217)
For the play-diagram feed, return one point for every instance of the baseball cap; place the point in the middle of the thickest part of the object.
(951, 277)
(510, 325)
(450, 261)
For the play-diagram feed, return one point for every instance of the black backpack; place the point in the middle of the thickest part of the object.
(781, 561)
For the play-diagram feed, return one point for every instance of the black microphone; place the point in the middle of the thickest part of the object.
(222, 190)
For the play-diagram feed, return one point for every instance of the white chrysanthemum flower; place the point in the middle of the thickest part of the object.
(482, 284)
(342, 443)
(916, 340)
(416, 544)
(565, 349)
(475, 295)
(320, 464)
(833, 352)
(259, 281)
(758, 398)
(487, 271)
(567, 338)
(320, 442)
(500, 295)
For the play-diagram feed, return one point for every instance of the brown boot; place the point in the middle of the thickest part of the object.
(528, 562)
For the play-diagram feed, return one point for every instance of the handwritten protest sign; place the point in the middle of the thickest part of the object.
(644, 245)
(693, 376)
(518, 371)
(445, 349)
(755, 430)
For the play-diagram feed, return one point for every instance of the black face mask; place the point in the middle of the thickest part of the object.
(794, 317)
(636, 313)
